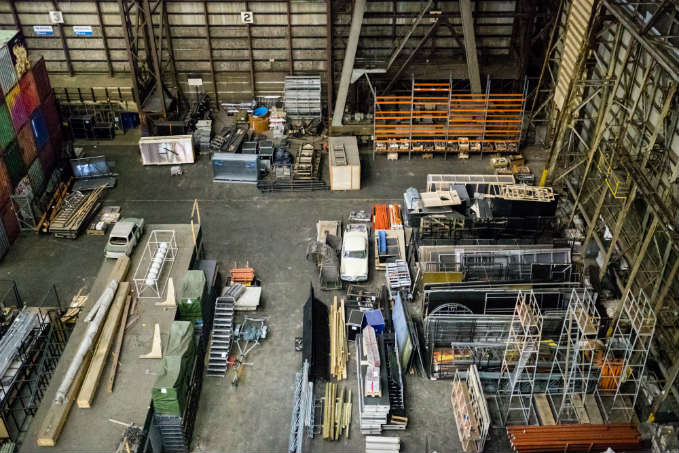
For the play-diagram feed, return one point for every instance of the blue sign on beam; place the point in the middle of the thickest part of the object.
(43, 30)
(82, 30)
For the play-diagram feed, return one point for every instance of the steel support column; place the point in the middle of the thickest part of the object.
(414, 52)
(104, 39)
(407, 36)
(250, 57)
(330, 74)
(348, 64)
(64, 44)
(470, 45)
(148, 20)
(288, 11)
(209, 50)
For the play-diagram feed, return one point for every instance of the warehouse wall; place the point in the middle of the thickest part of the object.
(278, 24)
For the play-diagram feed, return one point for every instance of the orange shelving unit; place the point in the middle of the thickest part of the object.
(436, 118)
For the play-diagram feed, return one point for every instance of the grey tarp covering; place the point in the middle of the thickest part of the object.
(191, 296)
(171, 387)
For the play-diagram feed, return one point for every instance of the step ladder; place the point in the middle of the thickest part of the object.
(220, 340)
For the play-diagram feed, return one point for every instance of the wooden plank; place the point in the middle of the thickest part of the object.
(56, 415)
(108, 333)
(579, 407)
(543, 409)
(593, 410)
(117, 346)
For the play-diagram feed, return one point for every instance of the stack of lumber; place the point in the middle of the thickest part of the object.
(574, 438)
(76, 211)
(53, 206)
(338, 341)
(243, 275)
(379, 444)
(336, 413)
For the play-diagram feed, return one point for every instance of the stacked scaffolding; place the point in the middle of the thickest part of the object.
(470, 410)
(519, 365)
(622, 368)
(570, 379)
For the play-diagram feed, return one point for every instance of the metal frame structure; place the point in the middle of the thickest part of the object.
(622, 369)
(571, 377)
(146, 287)
(471, 410)
(520, 362)
(612, 151)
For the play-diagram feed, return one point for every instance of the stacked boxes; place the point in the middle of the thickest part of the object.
(30, 130)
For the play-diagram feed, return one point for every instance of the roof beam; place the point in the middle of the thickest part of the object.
(470, 45)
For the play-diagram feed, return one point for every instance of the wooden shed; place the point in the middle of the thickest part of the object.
(344, 163)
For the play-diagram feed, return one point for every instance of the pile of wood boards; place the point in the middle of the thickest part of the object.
(336, 413)
(88, 374)
(75, 212)
(619, 437)
(338, 341)
(53, 206)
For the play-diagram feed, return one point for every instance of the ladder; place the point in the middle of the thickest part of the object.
(220, 340)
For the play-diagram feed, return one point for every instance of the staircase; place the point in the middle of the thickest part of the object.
(220, 340)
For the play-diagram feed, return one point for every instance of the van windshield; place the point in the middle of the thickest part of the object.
(118, 240)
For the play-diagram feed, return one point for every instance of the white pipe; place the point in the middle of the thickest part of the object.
(103, 303)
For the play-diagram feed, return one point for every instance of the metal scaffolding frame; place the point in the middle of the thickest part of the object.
(571, 377)
(520, 362)
(623, 366)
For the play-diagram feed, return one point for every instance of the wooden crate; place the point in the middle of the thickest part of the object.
(344, 163)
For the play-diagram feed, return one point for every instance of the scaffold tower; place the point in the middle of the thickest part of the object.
(622, 368)
(519, 364)
(571, 378)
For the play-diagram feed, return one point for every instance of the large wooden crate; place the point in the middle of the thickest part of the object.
(344, 163)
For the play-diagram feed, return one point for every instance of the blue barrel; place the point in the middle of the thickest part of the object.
(382, 242)
(260, 111)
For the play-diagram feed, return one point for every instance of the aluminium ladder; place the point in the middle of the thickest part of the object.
(220, 340)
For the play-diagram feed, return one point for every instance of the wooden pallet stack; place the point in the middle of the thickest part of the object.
(76, 210)
(336, 413)
(559, 438)
(338, 341)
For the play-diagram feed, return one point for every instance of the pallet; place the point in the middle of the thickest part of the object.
(392, 156)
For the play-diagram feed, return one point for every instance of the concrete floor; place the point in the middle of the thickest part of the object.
(270, 232)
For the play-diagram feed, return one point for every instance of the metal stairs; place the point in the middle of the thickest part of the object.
(220, 340)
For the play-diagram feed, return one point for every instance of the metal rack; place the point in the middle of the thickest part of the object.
(520, 362)
(146, 285)
(303, 97)
(437, 118)
(472, 417)
(570, 379)
(622, 368)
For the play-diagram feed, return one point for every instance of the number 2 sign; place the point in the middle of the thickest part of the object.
(247, 17)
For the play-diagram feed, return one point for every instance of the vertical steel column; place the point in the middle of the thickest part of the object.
(64, 44)
(170, 49)
(348, 64)
(470, 45)
(330, 72)
(103, 37)
(291, 60)
(148, 19)
(250, 58)
(209, 49)
(125, 23)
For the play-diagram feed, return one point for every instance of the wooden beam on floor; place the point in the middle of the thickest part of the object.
(56, 416)
(98, 362)
(118, 345)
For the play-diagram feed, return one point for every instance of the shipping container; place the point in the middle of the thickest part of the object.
(5, 182)
(15, 163)
(16, 44)
(17, 109)
(6, 128)
(36, 175)
(51, 113)
(26, 144)
(9, 221)
(48, 159)
(42, 81)
(40, 131)
(8, 76)
(28, 92)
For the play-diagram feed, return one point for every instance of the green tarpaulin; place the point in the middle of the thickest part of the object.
(171, 388)
(189, 305)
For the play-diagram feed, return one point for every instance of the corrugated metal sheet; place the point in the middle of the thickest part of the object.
(49, 109)
(576, 33)
(29, 93)
(37, 177)
(27, 144)
(39, 126)
(41, 79)
(15, 164)
(47, 158)
(6, 128)
(5, 183)
(8, 76)
(9, 221)
(4, 241)
(17, 109)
